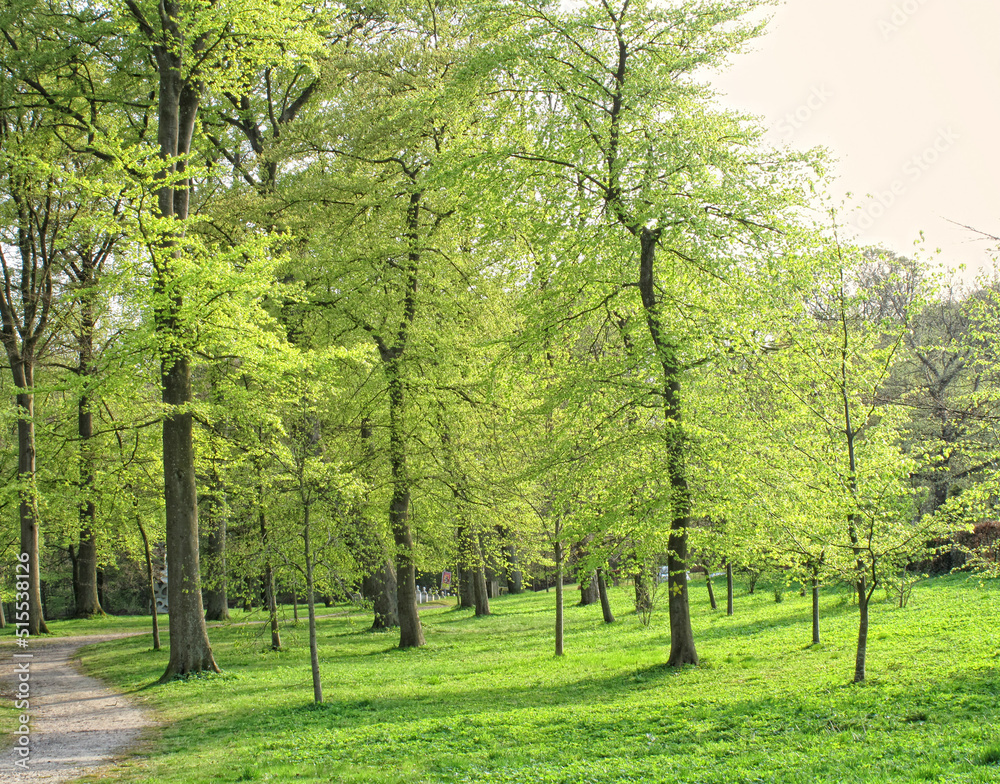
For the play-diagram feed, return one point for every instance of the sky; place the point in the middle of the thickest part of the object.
(906, 96)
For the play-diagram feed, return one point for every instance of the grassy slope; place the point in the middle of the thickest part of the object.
(485, 700)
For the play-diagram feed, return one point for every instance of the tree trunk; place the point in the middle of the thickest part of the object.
(177, 109)
(190, 651)
(466, 588)
(269, 598)
(311, 603)
(482, 590)
(864, 596)
(216, 597)
(729, 589)
(515, 578)
(85, 571)
(381, 588)
(815, 609)
(643, 595)
(682, 650)
(411, 635)
(602, 590)
(28, 508)
(711, 591)
(559, 597)
(588, 589)
(152, 584)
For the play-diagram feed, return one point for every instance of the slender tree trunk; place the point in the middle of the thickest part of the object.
(152, 584)
(682, 649)
(269, 598)
(74, 561)
(643, 594)
(559, 597)
(602, 590)
(85, 572)
(380, 586)
(729, 588)
(216, 595)
(28, 507)
(815, 609)
(482, 593)
(311, 603)
(859, 661)
(711, 591)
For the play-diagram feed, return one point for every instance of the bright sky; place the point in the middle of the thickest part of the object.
(906, 94)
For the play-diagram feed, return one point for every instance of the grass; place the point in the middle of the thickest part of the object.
(486, 701)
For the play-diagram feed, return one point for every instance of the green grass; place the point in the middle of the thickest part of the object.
(486, 701)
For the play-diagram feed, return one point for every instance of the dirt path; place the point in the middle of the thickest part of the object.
(77, 723)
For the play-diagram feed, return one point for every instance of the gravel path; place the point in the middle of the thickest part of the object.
(77, 723)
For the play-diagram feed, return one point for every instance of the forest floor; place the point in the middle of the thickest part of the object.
(77, 723)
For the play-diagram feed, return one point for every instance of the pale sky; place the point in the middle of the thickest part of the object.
(906, 94)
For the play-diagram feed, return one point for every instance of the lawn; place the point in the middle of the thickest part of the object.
(486, 701)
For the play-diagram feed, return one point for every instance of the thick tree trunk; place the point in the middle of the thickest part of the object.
(729, 589)
(177, 109)
(381, 588)
(602, 590)
(588, 589)
(190, 651)
(467, 588)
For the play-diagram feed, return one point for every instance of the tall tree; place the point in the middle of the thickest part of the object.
(32, 222)
(686, 207)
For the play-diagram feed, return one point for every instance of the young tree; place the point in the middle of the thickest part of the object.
(844, 462)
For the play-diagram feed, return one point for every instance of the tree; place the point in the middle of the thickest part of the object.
(849, 508)
(34, 218)
(398, 267)
(686, 209)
